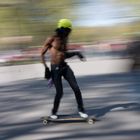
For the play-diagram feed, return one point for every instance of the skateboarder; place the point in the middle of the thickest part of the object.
(57, 47)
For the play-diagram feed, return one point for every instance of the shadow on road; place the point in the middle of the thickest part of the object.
(102, 94)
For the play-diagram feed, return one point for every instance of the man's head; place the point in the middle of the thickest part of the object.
(64, 27)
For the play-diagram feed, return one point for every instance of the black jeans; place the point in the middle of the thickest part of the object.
(64, 70)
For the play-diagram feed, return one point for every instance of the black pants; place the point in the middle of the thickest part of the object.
(64, 70)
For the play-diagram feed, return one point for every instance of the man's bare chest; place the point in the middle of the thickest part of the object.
(59, 45)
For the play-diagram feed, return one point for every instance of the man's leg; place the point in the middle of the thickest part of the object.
(69, 76)
(56, 77)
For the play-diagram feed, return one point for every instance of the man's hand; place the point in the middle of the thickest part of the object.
(47, 73)
(81, 56)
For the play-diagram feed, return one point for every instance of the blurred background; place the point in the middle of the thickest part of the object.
(107, 29)
(108, 34)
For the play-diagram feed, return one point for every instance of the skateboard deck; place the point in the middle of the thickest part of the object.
(46, 120)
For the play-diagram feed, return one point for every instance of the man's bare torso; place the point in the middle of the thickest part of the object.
(57, 50)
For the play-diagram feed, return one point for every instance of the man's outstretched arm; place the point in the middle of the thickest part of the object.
(76, 53)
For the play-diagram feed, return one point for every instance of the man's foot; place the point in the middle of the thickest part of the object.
(53, 116)
(83, 115)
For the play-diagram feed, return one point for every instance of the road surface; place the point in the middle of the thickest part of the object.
(112, 98)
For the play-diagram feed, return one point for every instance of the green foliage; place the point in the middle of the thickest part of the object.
(35, 18)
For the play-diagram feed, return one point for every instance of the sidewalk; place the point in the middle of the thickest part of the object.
(91, 66)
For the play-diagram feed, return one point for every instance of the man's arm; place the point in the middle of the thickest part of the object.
(46, 46)
(76, 53)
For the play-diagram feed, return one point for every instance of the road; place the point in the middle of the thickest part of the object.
(112, 98)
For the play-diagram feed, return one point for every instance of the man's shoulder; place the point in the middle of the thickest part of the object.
(50, 39)
(53, 37)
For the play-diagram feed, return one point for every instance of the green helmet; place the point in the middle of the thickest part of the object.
(65, 23)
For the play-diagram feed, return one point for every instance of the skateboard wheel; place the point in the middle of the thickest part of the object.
(45, 122)
(90, 121)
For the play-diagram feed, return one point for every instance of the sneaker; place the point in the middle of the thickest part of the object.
(83, 115)
(54, 117)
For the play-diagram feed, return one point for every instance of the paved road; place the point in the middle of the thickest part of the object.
(112, 98)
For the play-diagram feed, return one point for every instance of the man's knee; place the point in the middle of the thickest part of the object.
(77, 90)
(59, 94)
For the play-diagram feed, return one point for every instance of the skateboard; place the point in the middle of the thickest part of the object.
(46, 120)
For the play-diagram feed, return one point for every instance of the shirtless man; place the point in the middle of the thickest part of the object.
(57, 46)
